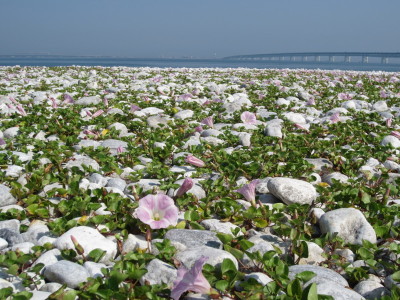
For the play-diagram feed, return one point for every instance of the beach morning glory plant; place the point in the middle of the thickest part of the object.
(157, 211)
(248, 191)
(191, 280)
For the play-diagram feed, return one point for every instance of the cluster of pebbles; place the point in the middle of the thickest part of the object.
(158, 98)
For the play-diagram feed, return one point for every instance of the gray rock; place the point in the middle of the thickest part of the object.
(262, 247)
(273, 129)
(13, 224)
(134, 242)
(35, 232)
(371, 289)
(212, 140)
(159, 272)
(347, 254)
(98, 179)
(328, 178)
(12, 237)
(184, 114)
(194, 238)
(123, 130)
(94, 269)
(86, 144)
(25, 247)
(80, 160)
(51, 287)
(320, 163)
(66, 272)
(113, 144)
(380, 106)
(215, 256)
(292, 190)
(210, 132)
(391, 141)
(314, 255)
(11, 132)
(3, 244)
(144, 184)
(391, 165)
(273, 240)
(262, 185)
(90, 239)
(349, 223)
(218, 226)
(260, 277)
(157, 121)
(48, 258)
(337, 292)
(245, 139)
(93, 100)
(117, 183)
(322, 275)
(39, 295)
(5, 196)
(390, 282)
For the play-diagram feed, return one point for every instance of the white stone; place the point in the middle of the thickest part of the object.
(90, 239)
(349, 223)
(292, 191)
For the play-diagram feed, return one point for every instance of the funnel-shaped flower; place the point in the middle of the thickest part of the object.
(335, 118)
(389, 122)
(134, 108)
(157, 211)
(98, 113)
(105, 101)
(310, 101)
(248, 118)
(2, 142)
(21, 110)
(68, 99)
(194, 161)
(249, 191)
(395, 134)
(186, 185)
(191, 280)
(208, 121)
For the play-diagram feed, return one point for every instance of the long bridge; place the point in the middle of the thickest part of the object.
(347, 57)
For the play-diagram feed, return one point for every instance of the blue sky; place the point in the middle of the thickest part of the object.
(202, 28)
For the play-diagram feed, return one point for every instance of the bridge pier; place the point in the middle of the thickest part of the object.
(365, 59)
(331, 59)
(347, 59)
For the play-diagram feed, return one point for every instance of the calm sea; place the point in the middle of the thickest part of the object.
(49, 61)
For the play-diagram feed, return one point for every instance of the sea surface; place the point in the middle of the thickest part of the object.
(53, 61)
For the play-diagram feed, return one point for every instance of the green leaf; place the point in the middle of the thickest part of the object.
(310, 293)
(260, 223)
(222, 285)
(282, 268)
(13, 269)
(97, 254)
(396, 276)
(294, 288)
(227, 265)
(224, 238)
(235, 252)
(305, 276)
(365, 253)
(5, 292)
(22, 296)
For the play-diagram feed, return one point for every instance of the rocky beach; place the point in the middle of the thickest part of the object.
(160, 183)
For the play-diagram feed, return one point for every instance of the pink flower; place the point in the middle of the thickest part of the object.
(185, 97)
(208, 121)
(335, 118)
(186, 185)
(249, 191)
(98, 113)
(395, 134)
(21, 110)
(300, 127)
(157, 211)
(13, 100)
(105, 101)
(53, 102)
(120, 149)
(383, 94)
(389, 122)
(194, 161)
(88, 113)
(310, 101)
(198, 129)
(134, 108)
(191, 280)
(68, 99)
(344, 96)
(2, 142)
(248, 118)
